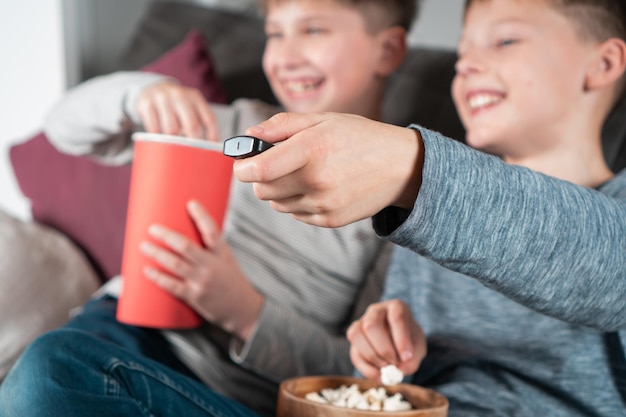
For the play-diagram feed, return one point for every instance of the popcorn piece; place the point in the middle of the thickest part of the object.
(396, 403)
(390, 375)
(316, 397)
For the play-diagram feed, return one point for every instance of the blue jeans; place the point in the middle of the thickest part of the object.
(95, 367)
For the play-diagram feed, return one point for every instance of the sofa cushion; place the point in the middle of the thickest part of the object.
(236, 41)
(85, 199)
(614, 137)
(44, 275)
(419, 92)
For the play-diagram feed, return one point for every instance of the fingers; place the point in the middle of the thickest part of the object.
(272, 164)
(173, 109)
(173, 285)
(180, 255)
(207, 120)
(373, 338)
(150, 117)
(281, 160)
(170, 261)
(158, 113)
(179, 249)
(399, 319)
(194, 115)
(360, 362)
(284, 125)
(386, 334)
(209, 231)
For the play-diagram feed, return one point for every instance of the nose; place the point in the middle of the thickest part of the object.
(287, 52)
(468, 63)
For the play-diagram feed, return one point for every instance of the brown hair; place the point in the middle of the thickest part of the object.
(595, 19)
(379, 14)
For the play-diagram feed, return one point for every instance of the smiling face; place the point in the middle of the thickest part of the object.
(520, 76)
(319, 56)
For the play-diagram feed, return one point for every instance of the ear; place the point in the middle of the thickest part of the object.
(608, 65)
(393, 48)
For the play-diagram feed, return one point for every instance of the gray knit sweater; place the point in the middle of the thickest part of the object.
(527, 335)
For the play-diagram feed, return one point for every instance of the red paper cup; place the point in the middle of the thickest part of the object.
(168, 171)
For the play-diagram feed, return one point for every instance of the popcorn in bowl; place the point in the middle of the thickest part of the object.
(373, 399)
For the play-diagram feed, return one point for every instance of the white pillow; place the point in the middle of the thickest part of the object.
(43, 275)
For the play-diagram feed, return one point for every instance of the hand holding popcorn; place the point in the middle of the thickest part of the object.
(172, 108)
(386, 334)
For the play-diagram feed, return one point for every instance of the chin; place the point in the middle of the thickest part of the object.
(481, 141)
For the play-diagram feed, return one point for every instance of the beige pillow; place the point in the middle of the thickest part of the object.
(43, 275)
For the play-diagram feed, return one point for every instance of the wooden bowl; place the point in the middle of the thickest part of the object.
(291, 401)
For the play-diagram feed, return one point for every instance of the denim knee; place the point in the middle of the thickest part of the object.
(40, 376)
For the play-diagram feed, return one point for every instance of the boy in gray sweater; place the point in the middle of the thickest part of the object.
(508, 296)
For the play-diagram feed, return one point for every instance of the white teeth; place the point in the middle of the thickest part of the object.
(301, 86)
(482, 100)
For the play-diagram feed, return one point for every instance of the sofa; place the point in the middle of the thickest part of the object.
(74, 241)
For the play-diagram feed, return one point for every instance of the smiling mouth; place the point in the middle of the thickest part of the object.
(299, 87)
(480, 101)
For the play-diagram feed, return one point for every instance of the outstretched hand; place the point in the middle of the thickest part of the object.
(334, 169)
(168, 107)
(386, 334)
(207, 276)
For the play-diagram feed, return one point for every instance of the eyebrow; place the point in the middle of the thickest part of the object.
(308, 19)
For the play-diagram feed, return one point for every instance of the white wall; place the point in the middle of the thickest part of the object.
(32, 77)
(439, 24)
(48, 45)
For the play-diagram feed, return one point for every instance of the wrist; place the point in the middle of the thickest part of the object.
(248, 317)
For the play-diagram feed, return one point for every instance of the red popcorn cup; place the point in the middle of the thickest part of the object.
(168, 171)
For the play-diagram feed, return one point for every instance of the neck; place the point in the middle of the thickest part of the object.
(571, 149)
(371, 106)
(580, 161)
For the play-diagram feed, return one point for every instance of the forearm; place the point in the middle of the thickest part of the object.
(101, 110)
(548, 244)
(286, 344)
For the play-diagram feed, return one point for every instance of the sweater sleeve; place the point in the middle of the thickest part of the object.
(550, 245)
(286, 344)
(98, 117)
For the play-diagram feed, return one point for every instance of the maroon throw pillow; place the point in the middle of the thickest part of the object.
(191, 64)
(85, 199)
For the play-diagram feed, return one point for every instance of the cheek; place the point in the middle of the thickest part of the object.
(456, 91)
(350, 58)
(267, 63)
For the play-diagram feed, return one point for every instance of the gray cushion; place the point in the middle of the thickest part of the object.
(419, 92)
(43, 276)
(235, 42)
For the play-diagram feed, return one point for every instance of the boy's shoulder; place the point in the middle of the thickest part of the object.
(250, 112)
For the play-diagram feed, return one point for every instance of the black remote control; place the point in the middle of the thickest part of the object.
(239, 147)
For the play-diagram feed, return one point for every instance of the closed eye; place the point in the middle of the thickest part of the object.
(506, 42)
(273, 35)
(313, 30)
